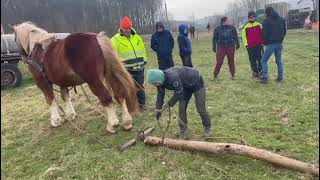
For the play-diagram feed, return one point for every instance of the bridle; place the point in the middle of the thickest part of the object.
(30, 61)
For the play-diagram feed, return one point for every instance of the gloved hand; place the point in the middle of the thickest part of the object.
(158, 115)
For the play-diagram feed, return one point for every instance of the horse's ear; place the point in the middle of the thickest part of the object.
(11, 27)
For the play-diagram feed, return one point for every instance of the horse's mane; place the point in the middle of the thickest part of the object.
(28, 34)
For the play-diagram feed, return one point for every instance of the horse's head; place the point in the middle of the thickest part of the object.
(27, 35)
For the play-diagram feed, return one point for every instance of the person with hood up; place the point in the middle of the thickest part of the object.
(274, 30)
(184, 45)
(185, 82)
(162, 43)
(130, 48)
(252, 40)
(224, 42)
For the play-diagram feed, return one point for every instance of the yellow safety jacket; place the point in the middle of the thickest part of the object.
(130, 50)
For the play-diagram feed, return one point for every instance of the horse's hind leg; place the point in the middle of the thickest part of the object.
(126, 117)
(105, 99)
(68, 108)
(119, 95)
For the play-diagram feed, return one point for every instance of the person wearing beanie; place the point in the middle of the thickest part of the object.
(185, 82)
(162, 43)
(252, 40)
(274, 30)
(130, 48)
(184, 45)
(224, 42)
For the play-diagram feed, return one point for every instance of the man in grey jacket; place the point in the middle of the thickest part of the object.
(185, 82)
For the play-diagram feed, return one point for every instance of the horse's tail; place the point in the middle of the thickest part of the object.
(116, 73)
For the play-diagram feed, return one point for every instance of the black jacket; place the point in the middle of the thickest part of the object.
(179, 79)
(225, 36)
(274, 29)
(162, 43)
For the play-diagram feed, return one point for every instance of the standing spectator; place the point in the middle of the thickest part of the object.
(208, 27)
(162, 43)
(252, 40)
(184, 45)
(224, 42)
(130, 48)
(192, 29)
(274, 31)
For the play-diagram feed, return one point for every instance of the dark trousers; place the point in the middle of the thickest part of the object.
(138, 76)
(220, 54)
(165, 62)
(200, 98)
(186, 60)
(255, 55)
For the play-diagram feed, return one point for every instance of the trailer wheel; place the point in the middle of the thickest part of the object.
(10, 76)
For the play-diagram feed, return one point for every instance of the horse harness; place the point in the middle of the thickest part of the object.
(30, 61)
(40, 66)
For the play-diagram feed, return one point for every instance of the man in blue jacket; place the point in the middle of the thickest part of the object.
(184, 45)
(162, 43)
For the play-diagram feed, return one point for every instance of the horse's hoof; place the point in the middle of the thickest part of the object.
(111, 129)
(55, 123)
(74, 116)
(127, 127)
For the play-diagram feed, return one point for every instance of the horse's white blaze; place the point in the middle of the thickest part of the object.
(112, 118)
(55, 117)
(126, 117)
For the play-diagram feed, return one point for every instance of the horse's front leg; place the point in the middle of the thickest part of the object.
(68, 107)
(47, 90)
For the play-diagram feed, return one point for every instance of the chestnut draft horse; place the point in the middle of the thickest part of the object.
(79, 58)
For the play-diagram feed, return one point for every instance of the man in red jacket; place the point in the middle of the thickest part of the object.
(253, 39)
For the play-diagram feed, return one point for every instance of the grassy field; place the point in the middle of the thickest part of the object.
(279, 117)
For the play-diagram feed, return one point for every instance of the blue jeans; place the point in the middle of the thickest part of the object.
(269, 49)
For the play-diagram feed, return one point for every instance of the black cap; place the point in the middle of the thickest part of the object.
(159, 25)
(251, 14)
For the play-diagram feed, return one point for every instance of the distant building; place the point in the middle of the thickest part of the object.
(306, 4)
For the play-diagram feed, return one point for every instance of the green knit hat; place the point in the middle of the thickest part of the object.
(155, 76)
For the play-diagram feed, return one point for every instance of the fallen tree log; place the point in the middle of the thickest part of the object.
(226, 148)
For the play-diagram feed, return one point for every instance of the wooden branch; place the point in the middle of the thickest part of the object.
(225, 148)
(141, 136)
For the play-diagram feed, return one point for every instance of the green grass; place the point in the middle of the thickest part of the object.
(281, 118)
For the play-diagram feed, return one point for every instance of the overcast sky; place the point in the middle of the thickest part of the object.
(183, 9)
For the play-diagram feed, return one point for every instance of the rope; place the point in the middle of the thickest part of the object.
(164, 131)
(80, 130)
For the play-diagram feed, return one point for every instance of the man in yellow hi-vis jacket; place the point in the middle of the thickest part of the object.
(130, 48)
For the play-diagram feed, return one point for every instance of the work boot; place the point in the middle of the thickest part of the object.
(279, 80)
(207, 133)
(264, 81)
(260, 75)
(254, 75)
(232, 77)
(214, 77)
(184, 135)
